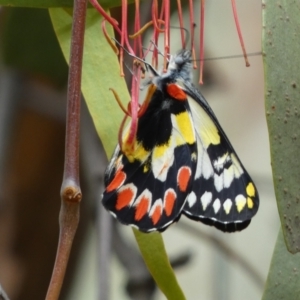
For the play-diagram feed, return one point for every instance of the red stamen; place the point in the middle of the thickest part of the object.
(150, 92)
(145, 27)
(119, 101)
(137, 26)
(113, 22)
(156, 31)
(154, 12)
(166, 7)
(120, 138)
(108, 38)
(181, 23)
(192, 28)
(124, 34)
(202, 41)
(134, 105)
(237, 24)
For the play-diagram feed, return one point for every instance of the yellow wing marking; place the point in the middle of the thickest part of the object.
(250, 190)
(250, 203)
(185, 127)
(204, 125)
(159, 151)
(240, 202)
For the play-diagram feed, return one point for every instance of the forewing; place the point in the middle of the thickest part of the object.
(149, 191)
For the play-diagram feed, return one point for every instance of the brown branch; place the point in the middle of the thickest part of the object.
(70, 190)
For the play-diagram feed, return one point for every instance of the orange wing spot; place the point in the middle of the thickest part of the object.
(117, 181)
(176, 92)
(124, 198)
(170, 198)
(183, 178)
(141, 208)
(156, 214)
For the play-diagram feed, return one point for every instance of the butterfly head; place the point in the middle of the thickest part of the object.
(179, 69)
(181, 64)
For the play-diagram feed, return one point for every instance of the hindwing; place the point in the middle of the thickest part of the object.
(223, 193)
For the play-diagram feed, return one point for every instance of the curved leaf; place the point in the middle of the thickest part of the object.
(281, 43)
(283, 280)
(100, 71)
(152, 249)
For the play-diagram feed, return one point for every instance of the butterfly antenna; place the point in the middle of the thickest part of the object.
(146, 64)
(187, 33)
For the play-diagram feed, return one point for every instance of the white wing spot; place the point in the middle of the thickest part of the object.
(227, 206)
(219, 163)
(219, 181)
(240, 202)
(162, 164)
(204, 166)
(206, 199)
(228, 176)
(191, 199)
(217, 205)
(238, 170)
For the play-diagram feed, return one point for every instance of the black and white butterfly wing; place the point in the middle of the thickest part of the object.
(148, 187)
(223, 194)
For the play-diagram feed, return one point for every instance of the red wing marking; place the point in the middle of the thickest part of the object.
(183, 178)
(156, 215)
(125, 196)
(169, 200)
(117, 182)
(156, 211)
(141, 208)
(176, 92)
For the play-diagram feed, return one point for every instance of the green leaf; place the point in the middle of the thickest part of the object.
(155, 256)
(281, 44)
(30, 48)
(283, 282)
(101, 71)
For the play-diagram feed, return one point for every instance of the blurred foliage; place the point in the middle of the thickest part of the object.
(29, 44)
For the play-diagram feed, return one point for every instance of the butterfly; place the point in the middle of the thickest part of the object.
(181, 162)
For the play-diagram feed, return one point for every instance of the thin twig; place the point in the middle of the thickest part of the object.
(70, 190)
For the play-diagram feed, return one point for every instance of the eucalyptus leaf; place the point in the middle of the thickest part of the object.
(281, 44)
(283, 281)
